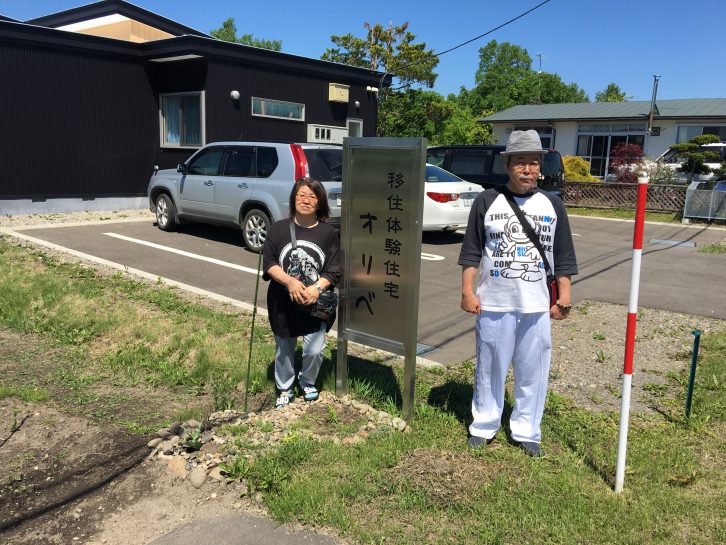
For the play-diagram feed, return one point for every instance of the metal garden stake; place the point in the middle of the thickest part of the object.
(692, 377)
(252, 332)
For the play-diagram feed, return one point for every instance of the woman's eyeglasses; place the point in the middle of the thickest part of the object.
(306, 197)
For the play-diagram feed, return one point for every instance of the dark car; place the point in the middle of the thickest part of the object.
(484, 165)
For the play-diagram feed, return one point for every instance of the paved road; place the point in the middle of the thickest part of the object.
(675, 278)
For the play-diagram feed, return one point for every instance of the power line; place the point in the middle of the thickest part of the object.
(493, 30)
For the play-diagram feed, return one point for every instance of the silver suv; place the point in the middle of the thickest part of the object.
(246, 184)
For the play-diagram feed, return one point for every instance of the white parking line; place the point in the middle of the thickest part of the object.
(432, 257)
(428, 257)
(182, 252)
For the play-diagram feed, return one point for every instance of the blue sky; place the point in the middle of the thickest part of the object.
(586, 42)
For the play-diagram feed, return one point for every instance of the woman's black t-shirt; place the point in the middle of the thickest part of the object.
(319, 251)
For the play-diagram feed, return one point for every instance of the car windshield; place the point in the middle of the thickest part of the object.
(325, 164)
(436, 174)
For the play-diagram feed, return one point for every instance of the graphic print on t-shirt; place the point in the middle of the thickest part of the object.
(303, 264)
(519, 258)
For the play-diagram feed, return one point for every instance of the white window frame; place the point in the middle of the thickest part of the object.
(301, 119)
(202, 120)
(355, 121)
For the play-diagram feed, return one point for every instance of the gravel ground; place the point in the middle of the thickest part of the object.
(588, 348)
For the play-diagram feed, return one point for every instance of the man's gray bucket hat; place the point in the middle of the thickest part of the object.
(524, 142)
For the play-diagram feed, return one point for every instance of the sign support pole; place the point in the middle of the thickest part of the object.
(630, 332)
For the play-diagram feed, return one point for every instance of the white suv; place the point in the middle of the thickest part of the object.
(246, 184)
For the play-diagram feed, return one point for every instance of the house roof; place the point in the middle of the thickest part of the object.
(113, 7)
(678, 108)
(3, 18)
(198, 45)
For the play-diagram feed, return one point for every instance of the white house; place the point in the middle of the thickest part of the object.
(591, 130)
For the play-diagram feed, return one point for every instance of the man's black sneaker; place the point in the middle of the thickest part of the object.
(478, 442)
(531, 449)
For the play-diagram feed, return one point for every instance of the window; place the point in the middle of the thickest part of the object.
(240, 162)
(182, 120)
(266, 162)
(355, 127)
(686, 132)
(207, 162)
(596, 142)
(265, 107)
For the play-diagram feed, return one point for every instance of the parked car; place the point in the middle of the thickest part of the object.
(243, 184)
(447, 200)
(674, 159)
(485, 166)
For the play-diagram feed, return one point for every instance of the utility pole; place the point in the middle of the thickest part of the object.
(651, 113)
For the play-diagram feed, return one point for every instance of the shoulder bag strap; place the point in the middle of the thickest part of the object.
(292, 235)
(529, 231)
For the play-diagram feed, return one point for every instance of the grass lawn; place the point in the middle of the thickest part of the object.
(139, 355)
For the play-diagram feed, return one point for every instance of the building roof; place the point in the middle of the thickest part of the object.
(3, 18)
(678, 108)
(185, 46)
(105, 8)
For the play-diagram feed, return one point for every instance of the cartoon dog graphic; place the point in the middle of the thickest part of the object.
(515, 243)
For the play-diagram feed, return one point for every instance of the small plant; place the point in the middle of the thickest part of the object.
(715, 248)
(332, 416)
(598, 337)
(658, 390)
(191, 438)
(222, 386)
(236, 469)
(266, 427)
(600, 356)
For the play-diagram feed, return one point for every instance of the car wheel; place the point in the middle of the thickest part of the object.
(254, 229)
(165, 213)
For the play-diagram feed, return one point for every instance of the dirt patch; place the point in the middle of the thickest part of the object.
(445, 477)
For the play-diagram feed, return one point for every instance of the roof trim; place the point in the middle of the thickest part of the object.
(8, 19)
(111, 7)
(186, 45)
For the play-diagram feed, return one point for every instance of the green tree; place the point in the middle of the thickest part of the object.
(390, 50)
(228, 33)
(694, 156)
(612, 93)
(393, 51)
(505, 78)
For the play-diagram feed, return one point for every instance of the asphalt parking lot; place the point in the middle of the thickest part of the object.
(212, 260)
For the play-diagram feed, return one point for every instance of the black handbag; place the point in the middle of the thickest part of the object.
(529, 231)
(326, 306)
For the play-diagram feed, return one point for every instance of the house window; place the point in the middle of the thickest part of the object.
(182, 120)
(265, 107)
(596, 142)
(686, 132)
(355, 127)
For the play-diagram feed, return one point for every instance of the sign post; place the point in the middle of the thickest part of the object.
(382, 208)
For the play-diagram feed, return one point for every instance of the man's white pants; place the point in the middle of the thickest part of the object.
(525, 341)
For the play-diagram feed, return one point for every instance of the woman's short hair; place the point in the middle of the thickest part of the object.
(323, 210)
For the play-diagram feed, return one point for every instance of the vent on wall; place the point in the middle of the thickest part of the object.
(326, 134)
(338, 92)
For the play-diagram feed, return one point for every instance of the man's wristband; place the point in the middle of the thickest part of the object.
(320, 290)
(563, 307)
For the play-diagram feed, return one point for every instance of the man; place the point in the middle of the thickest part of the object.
(511, 301)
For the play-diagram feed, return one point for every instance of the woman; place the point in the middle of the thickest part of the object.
(295, 288)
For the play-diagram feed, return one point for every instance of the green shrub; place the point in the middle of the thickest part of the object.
(577, 169)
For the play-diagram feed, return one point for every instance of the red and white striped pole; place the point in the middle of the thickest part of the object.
(630, 331)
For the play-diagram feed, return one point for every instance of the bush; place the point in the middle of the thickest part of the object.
(624, 160)
(660, 173)
(577, 169)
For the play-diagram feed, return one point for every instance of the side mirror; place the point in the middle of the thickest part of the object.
(181, 168)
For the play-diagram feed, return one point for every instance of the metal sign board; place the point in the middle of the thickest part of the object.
(382, 208)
